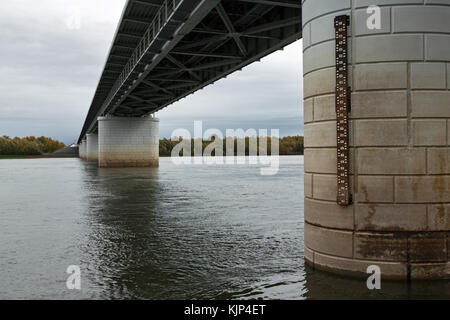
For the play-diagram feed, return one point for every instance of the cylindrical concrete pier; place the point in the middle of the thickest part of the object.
(399, 139)
(92, 147)
(82, 149)
(128, 142)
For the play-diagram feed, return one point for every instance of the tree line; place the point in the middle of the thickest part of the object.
(290, 145)
(30, 146)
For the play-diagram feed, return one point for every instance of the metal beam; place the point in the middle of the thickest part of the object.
(227, 34)
(203, 42)
(216, 64)
(137, 20)
(205, 54)
(229, 25)
(130, 35)
(155, 4)
(274, 25)
(151, 84)
(182, 66)
(281, 3)
(119, 56)
(173, 80)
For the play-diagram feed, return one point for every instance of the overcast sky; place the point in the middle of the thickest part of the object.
(53, 53)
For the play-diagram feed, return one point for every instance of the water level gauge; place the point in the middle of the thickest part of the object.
(342, 110)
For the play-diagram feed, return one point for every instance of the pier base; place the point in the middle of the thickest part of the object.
(399, 73)
(128, 142)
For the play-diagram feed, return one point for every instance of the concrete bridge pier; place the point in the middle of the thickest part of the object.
(128, 142)
(399, 73)
(92, 147)
(82, 148)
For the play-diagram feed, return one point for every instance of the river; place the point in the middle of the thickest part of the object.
(173, 232)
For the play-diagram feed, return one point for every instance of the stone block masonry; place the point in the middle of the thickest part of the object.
(128, 142)
(399, 139)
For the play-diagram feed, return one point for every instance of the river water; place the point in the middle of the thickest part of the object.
(175, 232)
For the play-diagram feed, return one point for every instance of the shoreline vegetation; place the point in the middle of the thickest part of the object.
(289, 145)
(42, 156)
(28, 146)
(43, 147)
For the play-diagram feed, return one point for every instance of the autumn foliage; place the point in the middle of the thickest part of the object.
(28, 146)
(292, 145)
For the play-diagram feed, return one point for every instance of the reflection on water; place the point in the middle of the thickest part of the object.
(185, 232)
(321, 285)
(176, 232)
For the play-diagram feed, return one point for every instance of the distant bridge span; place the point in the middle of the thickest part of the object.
(165, 50)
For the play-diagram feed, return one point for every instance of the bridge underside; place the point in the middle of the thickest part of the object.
(166, 50)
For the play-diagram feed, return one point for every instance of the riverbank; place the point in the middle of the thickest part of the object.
(42, 156)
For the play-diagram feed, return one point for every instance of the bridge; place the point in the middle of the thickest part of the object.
(376, 113)
(165, 50)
